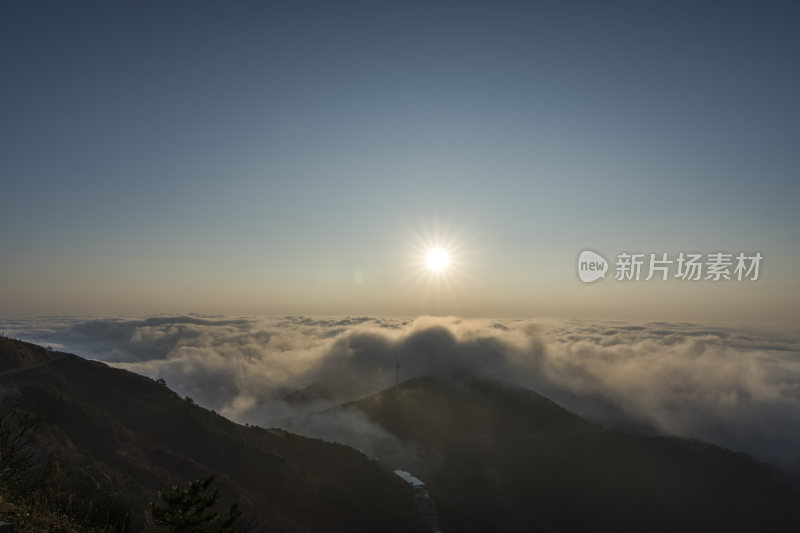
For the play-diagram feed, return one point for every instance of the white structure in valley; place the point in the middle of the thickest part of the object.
(423, 504)
(408, 478)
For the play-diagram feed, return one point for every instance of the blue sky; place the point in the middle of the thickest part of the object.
(250, 158)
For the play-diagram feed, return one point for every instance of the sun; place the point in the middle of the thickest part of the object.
(437, 259)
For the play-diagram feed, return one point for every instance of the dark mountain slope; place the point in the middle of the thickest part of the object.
(501, 458)
(127, 435)
(18, 355)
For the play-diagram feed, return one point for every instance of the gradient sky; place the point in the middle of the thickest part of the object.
(297, 157)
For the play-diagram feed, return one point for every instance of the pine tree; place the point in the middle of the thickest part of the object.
(190, 510)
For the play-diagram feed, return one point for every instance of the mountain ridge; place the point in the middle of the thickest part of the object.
(506, 458)
(131, 436)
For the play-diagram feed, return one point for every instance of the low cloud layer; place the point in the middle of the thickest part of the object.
(739, 388)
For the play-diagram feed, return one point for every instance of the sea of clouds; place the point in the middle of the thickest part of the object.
(735, 387)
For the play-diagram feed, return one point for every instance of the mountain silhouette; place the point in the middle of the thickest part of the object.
(125, 437)
(496, 457)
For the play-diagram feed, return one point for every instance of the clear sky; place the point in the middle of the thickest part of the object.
(299, 157)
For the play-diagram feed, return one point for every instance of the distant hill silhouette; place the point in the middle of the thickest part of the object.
(126, 436)
(501, 458)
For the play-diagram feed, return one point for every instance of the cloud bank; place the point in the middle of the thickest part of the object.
(735, 387)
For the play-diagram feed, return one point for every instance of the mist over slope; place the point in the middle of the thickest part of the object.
(736, 387)
(117, 438)
(497, 457)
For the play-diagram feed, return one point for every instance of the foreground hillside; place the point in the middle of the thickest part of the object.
(500, 458)
(116, 438)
